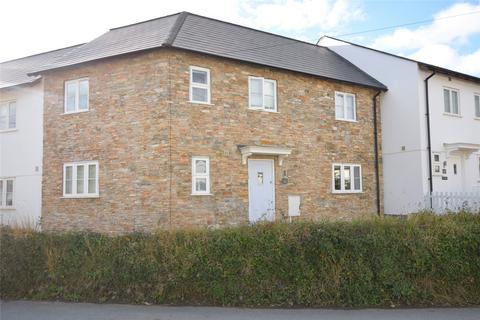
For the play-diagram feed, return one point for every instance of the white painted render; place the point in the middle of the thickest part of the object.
(21, 154)
(448, 129)
(404, 130)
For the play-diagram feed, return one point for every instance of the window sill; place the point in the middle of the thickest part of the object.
(346, 192)
(6, 208)
(8, 130)
(452, 115)
(346, 120)
(201, 103)
(81, 197)
(75, 112)
(262, 110)
(476, 118)
(201, 194)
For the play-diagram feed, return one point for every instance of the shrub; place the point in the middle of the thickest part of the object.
(419, 261)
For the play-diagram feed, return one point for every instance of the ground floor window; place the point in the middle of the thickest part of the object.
(347, 178)
(478, 166)
(80, 179)
(437, 168)
(6, 192)
(200, 175)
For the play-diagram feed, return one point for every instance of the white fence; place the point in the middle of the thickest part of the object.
(444, 202)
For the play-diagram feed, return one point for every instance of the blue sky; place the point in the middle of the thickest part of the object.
(452, 43)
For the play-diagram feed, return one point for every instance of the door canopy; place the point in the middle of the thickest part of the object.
(280, 152)
(461, 148)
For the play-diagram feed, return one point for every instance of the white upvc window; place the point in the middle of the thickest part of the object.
(262, 94)
(200, 175)
(477, 105)
(345, 106)
(76, 95)
(80, 179)
(199, 85)
(437, 168)
(7, 187)
(346, 178)
(478, 167)
(8, 116)
(451, 101)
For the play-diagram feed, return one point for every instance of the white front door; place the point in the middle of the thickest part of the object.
(261, 190)
(455, 168)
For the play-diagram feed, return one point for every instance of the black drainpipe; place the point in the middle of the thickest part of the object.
(375, 145)
(429, 140)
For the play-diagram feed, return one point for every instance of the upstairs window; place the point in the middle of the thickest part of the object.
(76, 95)
(8, 116)
(262, 94)
(199, 85)
(80, 179)
(345, 106)
(347, 178)
(200, 175)
(450, 100)
(477, 106)
(6, 193)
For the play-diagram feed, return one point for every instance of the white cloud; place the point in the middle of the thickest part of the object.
(300, 15)
(469, 63)
(445, 56)
(443, 31)
(39, 26)
(441, 41)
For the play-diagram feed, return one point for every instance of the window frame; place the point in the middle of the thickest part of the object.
(436, 164)
(3, 195)
(199, 85)
(475, 114)
(459, 114)
(77, 95)
(196, 175)
(345, 94)
(74, 166)
(8, 104)
(342, 180)
(262, 108)
(478, 164)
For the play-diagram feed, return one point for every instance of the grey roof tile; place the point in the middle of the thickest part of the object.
(132, 38)
(205, 35)
(15, 72)
(232, 41)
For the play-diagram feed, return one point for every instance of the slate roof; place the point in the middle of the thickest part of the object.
(14, 72)
(214, 37)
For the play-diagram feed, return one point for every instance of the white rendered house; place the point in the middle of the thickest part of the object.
(21, 139)
(430, 129)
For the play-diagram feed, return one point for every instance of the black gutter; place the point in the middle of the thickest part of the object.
(429, 140)
(375, 145)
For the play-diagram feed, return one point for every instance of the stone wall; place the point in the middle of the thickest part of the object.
(143, 130)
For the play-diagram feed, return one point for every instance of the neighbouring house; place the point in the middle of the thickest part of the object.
(21, 134)
(430, 130)
(189, 121)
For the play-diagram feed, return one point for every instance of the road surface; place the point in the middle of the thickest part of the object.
(30, 310)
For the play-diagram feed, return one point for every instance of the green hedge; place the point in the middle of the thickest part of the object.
(420, 261)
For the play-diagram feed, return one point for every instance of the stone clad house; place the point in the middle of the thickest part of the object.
(430, 129)
(186, 121)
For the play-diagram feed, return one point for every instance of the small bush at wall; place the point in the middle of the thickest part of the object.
(419, 261)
